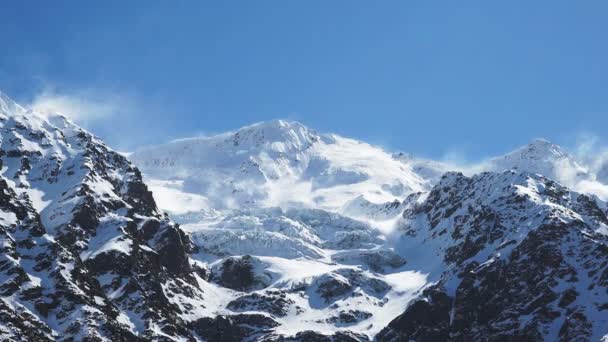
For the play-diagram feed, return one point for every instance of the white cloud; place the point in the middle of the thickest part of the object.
(82, 106)
(591, 151)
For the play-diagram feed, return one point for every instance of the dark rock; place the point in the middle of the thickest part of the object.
(233, 328)
(313, 336)
(238, 273)
(349, 317)
(274, 302)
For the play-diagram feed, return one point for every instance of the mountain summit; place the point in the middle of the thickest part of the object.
(275, 163)
(545, 158)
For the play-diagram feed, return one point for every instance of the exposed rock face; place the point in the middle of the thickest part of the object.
(523, 261)
(234, 328)
(378, 260)
(241, 274)
(85, 252)
(274, 302)
(343, 282)
(313, 336)
(350, 317)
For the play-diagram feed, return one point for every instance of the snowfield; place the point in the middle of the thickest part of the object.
(277, 163)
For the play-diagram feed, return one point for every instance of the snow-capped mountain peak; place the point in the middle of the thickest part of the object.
(538, 149)
(275, 163)
(80, 235)
(291, 133)
(8, 106)
(545, 158)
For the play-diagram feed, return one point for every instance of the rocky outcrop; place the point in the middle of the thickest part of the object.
(234, 328)
(241, 274)
(273, 302)
(313, 336)
(524, 262)
(86, 253)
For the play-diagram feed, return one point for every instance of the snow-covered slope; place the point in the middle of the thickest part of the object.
(514, 256)
(275, 163)
(462, 224)
(544, 158)
(84, 252)
(281, 163)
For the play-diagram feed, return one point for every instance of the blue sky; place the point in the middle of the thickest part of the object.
(475, 78)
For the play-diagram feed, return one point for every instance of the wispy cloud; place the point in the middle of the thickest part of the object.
(592, 151)
(122, 116)
(83, 106)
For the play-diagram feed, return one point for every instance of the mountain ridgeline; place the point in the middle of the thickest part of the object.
(276, 232)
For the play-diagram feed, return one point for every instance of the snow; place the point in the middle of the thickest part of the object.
(291, 273)
(550, 160)
(295, 199)
(8, 218)
(276, 163)
(295, 247)
(170, 196)
(109, 237)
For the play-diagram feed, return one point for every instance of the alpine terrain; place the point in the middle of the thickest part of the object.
(276, 232)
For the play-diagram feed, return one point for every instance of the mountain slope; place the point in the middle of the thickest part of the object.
(417, 264)
(86, 253)
(518, 256)
(541, 157)
(550, 160)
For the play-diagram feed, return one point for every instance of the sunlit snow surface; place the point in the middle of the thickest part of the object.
(275, 163)
(309, 206)
(301, 246)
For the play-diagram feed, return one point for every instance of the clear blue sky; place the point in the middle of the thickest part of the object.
(426, 77)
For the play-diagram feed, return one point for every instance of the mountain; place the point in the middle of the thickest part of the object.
(87, 255)
(275, 232)
(454, 234)
(511, 256)
(544, 158)
(275, 163)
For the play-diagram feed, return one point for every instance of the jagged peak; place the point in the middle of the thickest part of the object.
(539, 148)
(23, 114)
(279, 124)
(293, 134)
(543, 157)
(278, 130)
(9, 106)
